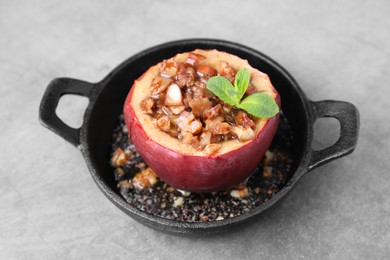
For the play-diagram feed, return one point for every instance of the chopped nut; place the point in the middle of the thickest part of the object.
(191, 72)
(217, 126)
(144, 179)
(159, 85)
(240, 192)
(164, 124)
(147, 105)
(187, 123)
(195, 127)
(185, 79)
(189, 139)
(177, 109)
(212, 148)
(169, 68)
(217, 138)
(205, 71)
(119, 157)
(213, 112)
(205, 138)
(178, 202)
(226, 71)
(174, 96)
(243, 119)
(181, 68)
(194, 58)
(166, 111)
(243, 134)
(199, 90)
(199, 105)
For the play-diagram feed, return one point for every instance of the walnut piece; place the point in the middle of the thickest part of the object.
(194, 58)
(212, 148)
(119, 157)
(158, 86)
(240, 192)
(174, 96)
(213, 112)
(164, 124)
(199, 105)
(144, 179)
(188, 123)
(189, 139)
(217, 126)
(169, 68)
(186, 79)
(147, 106)
(243, 134)
(243, 119)
(205, 71)
(225, 70)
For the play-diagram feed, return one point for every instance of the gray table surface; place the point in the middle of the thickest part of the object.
(50, 207)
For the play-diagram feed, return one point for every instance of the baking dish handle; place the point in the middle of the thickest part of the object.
(348, 116)
(47, 110)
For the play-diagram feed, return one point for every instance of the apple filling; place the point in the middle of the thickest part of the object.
(185, 109)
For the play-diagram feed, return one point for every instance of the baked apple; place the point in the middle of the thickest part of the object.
(190, 137)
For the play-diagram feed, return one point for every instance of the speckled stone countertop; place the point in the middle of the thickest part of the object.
(50, 208)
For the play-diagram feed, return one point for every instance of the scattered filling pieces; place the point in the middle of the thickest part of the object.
(185, 109)
(144, 179)
(141, 188)
(119, 157)
(241, 192)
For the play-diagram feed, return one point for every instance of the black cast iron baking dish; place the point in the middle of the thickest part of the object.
(106, 100)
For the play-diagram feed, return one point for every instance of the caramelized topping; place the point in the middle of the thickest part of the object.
(185, 109)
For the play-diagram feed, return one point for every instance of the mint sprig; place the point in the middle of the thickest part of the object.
(222, 88)
(259, 105)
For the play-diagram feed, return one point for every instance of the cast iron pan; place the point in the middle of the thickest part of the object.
(106, 100)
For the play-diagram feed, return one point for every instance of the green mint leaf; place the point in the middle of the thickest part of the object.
(222, 88)
(260, 105)
(241, 81)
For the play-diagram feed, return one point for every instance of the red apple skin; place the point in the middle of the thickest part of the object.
(200, 173)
